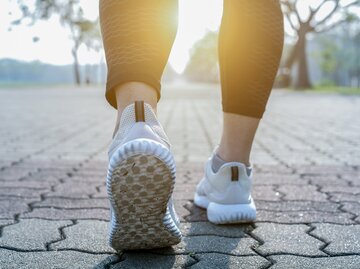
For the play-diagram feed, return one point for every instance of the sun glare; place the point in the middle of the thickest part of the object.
(195, 19)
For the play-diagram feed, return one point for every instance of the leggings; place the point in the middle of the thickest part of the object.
(138, 36)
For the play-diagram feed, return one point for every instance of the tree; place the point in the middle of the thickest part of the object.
(321, 17)
(203, 63)
(71, 15)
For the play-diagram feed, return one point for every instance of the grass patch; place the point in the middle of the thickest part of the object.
(336, 89)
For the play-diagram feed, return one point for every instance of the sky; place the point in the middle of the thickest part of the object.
(196, 17)
(54, 45)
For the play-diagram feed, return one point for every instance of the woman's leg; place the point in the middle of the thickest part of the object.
(250, 47)
(137, 36)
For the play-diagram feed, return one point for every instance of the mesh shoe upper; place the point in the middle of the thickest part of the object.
(224, 187)
(129, 129)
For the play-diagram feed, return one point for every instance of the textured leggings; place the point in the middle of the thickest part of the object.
(138, 36)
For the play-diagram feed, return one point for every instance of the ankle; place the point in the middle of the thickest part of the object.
(129, 92)
(234, 155)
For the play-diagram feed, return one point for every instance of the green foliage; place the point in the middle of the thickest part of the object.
(327, 56)
(336, 89)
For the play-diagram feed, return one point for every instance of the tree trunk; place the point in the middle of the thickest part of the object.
(76, 66)
(302, 81)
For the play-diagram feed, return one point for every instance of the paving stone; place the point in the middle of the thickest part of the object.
(48, 259)
(353, 177)
(210, 243)
(305, 192)
(63, 156)
(59, 214)
(273, 169)
(22, 192)
(101, 193)
(344, 197)
(290, 261)
(266, 193)
(184, 191)
(353, 208)
(304, 217)
(32, 184)
(72, 203)
(32, 234)
(180, 209)
(88, 235)
(207, 228)
(322, 169)
(216, 260)
(278, 179)
(342, 238)
(46, 176)
(195, 213)
(4, 222)
(69, 189)
(327, 180)
(344, 189)
(149, 260)
(88, 178)
(8, 208)
(107, 262)
(297, 206)
(289, 239)
(15, 173)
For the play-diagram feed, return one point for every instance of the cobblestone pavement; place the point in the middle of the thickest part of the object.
(54, 211)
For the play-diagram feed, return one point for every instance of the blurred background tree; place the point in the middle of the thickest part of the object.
(71, 16)
(203, 63)
(321, 45)
(319, 18)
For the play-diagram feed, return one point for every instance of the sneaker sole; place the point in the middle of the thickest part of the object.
(227, 214)
(140, 182)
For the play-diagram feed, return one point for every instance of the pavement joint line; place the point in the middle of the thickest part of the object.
(319, 189)
(42, 218)
(114, 262)
(275, 188)
(202, 252)
(318, 256)
(72, 208)
(305, 141)
(260, 243)
(51, 250)
(195, 258)
(325, 242)
(16, 221)
(66, 138)
(62, 234)
(222, 236)
(354, 216)
(273, 155)
(319, 162)
(203, 126)
(170, 115)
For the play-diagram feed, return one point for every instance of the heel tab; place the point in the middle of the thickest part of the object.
(139, 111)
(234, 173)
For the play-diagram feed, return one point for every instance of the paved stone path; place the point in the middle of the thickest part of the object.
(53, 206)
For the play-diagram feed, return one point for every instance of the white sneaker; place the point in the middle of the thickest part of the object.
(226, 194)
(140, 181)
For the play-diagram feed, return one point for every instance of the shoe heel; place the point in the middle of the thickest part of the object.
(232, 213)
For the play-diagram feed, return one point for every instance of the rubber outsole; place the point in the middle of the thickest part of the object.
(140, 182)
(227, 213)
